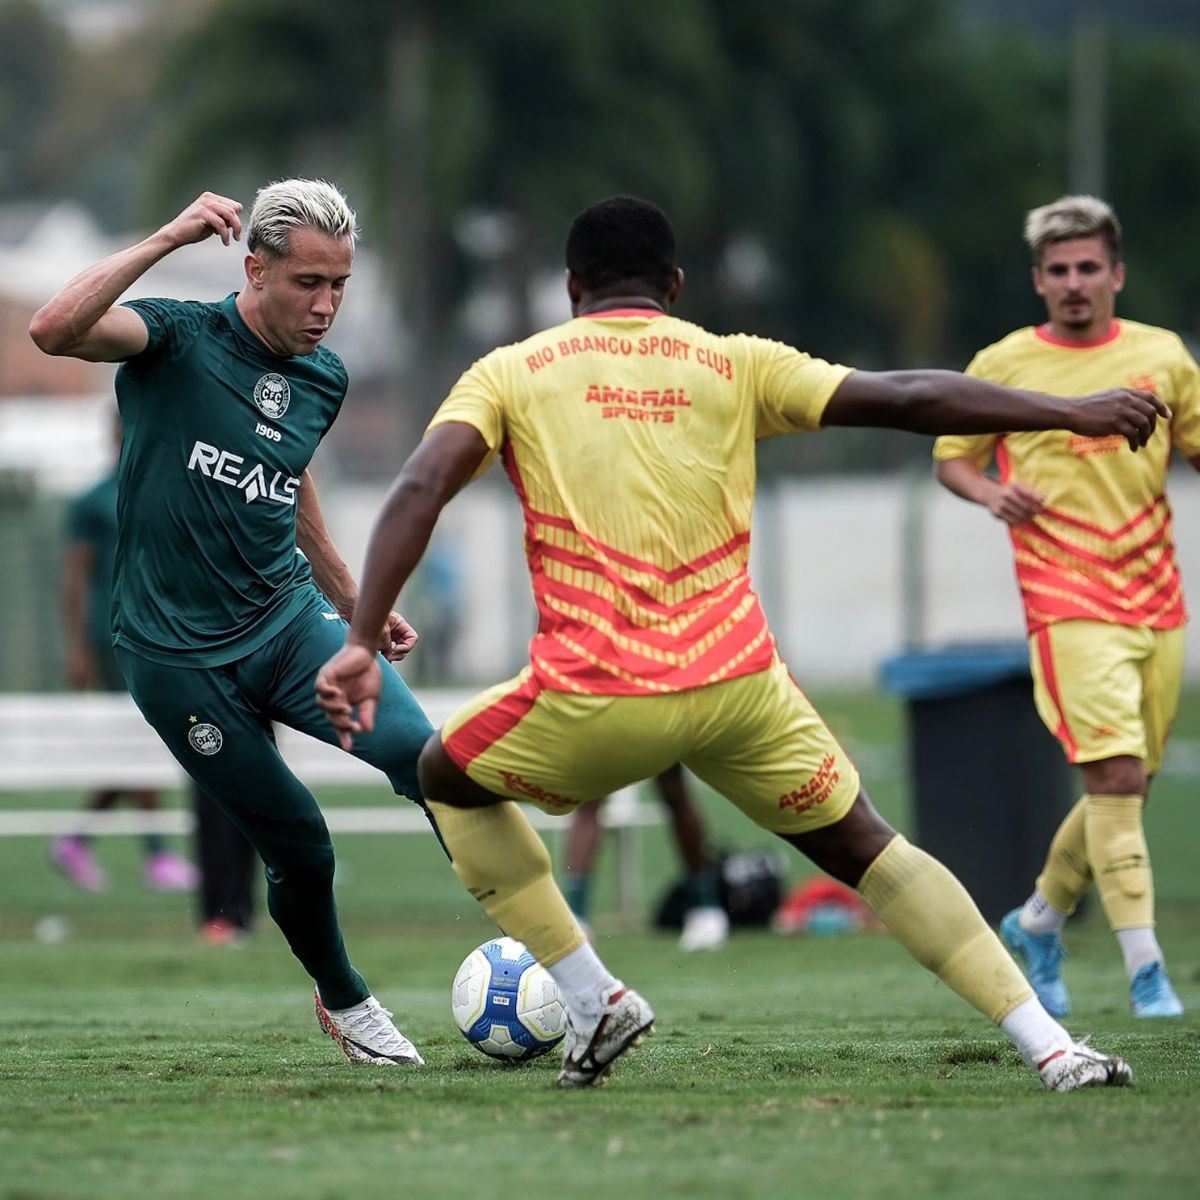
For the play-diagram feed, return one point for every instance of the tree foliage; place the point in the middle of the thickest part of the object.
(35, 57)
(850, 177)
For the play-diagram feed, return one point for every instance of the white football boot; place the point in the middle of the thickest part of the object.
(367, 1034)
(589, 1053)
(1081, 1066)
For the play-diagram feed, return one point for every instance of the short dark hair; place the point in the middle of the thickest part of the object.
(622, 240)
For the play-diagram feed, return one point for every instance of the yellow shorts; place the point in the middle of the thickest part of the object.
(1105, 690)
(756, 739)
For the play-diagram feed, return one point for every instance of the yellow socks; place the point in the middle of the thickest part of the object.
(1066, 877)
(1116, 848)
(504, 865)
(929, 912)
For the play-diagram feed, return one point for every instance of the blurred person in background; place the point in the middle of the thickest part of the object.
(705, 922)
(1094, 552)
(228, 873)
(629, 437)
(92, 667)
(219, 623)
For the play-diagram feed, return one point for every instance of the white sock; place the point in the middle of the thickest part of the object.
(1140, 947)
(1040, 916)
(582, 980)
(1036, 1034)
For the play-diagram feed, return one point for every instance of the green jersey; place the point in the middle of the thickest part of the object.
(92, 520)
(217, 432)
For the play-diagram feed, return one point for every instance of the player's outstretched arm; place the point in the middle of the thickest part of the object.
(81, 321)
(1011, 502)
(939, 402)
(348, 684)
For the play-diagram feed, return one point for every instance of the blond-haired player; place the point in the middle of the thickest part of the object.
(1095, 559)
(629, 437)
(218, 624)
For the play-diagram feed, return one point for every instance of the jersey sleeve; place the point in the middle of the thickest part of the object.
(171, 325)
(978, 448)
(791, 388)
(476, 400)
(341, 385)
(1185, 409)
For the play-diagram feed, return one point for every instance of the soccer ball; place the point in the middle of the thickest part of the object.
(506, 1003)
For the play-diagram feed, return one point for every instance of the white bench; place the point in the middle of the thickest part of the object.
(90, 741)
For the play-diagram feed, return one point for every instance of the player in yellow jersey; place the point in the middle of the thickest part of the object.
(1095, 560)
(629, 438)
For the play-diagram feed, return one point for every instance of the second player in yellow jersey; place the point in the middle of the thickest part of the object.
(1094, 551)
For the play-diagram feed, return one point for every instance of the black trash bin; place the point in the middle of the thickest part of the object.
(989, 782)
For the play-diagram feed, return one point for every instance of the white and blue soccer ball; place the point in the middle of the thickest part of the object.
(506, 1003)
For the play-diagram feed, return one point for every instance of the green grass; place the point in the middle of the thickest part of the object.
(134, 1061)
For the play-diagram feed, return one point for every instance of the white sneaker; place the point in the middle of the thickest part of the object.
(588, 1054)
(1081, 1066)
(367, 1034)
(704, 929)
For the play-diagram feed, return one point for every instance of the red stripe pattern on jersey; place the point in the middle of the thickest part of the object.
(614, 624)
(1070, 569)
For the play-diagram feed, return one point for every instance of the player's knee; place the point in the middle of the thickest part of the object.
(307, 866)
(432, 776)
(441, 779)
(1121, 776)
(850, 845)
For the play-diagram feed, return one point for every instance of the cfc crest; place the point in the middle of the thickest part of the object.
(273, 394)
(205, 739)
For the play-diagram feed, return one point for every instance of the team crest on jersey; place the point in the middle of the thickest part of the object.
(205, 739)
(1144, 383)
(273, 394)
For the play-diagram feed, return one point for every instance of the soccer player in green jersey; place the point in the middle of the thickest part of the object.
(219, 623)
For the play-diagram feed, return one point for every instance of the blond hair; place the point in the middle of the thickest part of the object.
(1072, 217)
(289, 204)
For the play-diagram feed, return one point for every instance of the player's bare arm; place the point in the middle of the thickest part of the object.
(333, 576)
(82, 320)
(348, 684)
(939, 402)
(1011, 502)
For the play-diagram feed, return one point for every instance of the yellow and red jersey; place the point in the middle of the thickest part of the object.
(1102, 549)
(629, 436)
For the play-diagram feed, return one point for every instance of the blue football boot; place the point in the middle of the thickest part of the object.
(1151, 993)
(1040, 956)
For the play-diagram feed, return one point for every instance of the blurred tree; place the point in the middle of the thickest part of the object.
(35, 58)
(850, 177)
(1155, 177)
(428, 109)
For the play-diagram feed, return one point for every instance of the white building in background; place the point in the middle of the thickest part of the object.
(848, 567)
(828, 559)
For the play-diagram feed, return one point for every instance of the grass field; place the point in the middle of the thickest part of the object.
(134, 1061)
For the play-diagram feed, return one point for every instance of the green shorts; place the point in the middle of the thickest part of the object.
(217, 721)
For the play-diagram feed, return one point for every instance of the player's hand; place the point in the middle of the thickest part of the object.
(1129, 412)
(1014, 503)
(206, 215)
(398, 638)
(348, 688)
